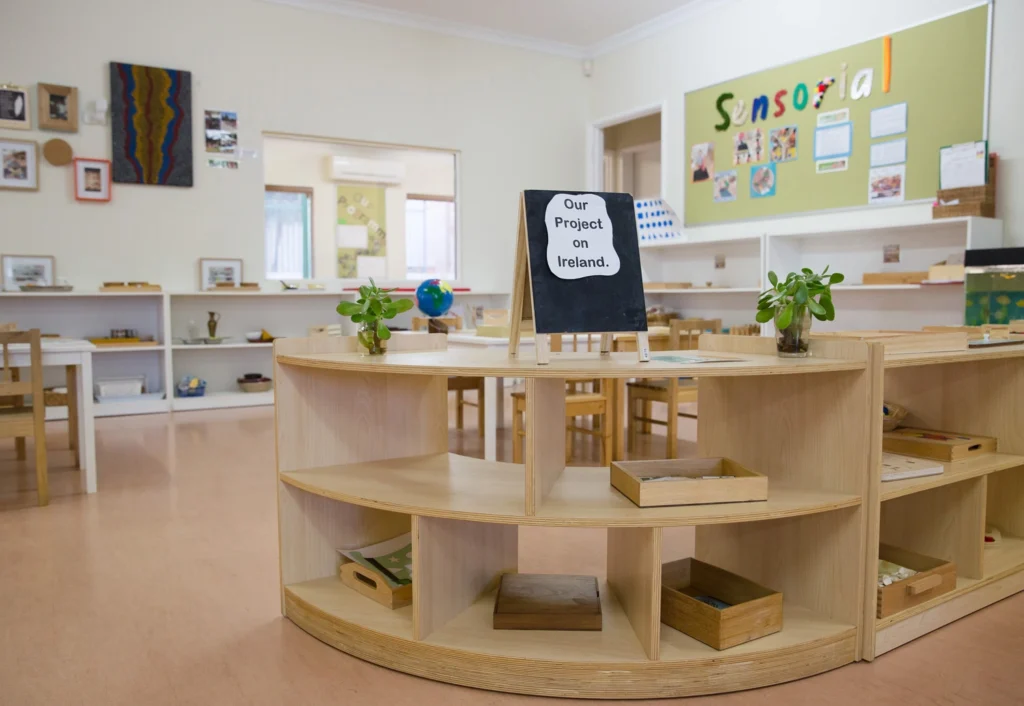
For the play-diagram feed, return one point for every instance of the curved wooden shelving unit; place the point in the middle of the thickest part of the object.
(608, 664)
(363, 457)
(463, 488)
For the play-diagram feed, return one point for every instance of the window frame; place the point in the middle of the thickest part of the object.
(453, 200)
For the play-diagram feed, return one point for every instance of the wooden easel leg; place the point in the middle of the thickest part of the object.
(541, 343)
(643, 347)
(606, 343)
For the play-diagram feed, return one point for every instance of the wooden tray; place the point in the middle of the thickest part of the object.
(667, 285)
(120, 342)
(753, 610)
(906, 341)
(547, 602)
(746, 486)
(940, 445)
(130, 287)
(894, 277)
(363, 581)
(934, 577)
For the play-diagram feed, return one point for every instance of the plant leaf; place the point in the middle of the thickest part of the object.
(786, 317)
(358, 318)
(376, 307)
(830, 310)
(402, 305)
(364, 291)
(773, 278)
(836, 278)
(390, 311)
(816, 308)
(801, 294)
(764, 316)
(383, 332)
(349, 308)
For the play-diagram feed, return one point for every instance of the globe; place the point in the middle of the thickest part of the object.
(434, 297)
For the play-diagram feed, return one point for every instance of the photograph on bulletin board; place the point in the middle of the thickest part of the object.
(835, 123)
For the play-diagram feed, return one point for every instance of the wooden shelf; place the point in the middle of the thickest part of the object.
(615, 365)
(607, 663)
(1002, 561)
(219, 346)
(128, 349)
(459, 487)
(954, 473)
(902, 360)
(222, 400)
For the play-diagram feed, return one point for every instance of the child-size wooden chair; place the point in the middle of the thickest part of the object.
(641, 395)
(577, 404)
(18, 421)
(460, 385)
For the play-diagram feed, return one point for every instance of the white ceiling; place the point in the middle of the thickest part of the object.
(573, 27)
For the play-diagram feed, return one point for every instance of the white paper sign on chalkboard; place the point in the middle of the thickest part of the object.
(577, 269)
(580, 237)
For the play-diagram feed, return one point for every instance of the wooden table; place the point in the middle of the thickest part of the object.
(75, 356)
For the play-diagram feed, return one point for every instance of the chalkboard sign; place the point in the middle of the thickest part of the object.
(577, 267)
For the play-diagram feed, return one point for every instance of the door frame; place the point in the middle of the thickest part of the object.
(595, 143)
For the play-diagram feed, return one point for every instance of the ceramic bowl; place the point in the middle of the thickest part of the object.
(253, 336)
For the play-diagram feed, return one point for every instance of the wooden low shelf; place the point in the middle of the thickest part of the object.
(953, 472)
(459, 487)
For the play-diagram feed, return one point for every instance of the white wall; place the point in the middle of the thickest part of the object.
(692, 55)
(515, 115)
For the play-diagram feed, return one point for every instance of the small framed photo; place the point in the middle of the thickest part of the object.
(58, 107)
(215, 273)
(19, 165)
(92, 179)
(14, 108)
(19, 270)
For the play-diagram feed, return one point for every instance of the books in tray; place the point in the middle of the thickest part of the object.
(896, 467)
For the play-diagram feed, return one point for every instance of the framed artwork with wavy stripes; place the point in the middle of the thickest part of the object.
(151, 125)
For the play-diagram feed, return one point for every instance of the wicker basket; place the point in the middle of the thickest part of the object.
(263, 385)
(892, 415)
(55, 399)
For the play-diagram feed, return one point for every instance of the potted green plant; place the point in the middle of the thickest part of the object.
(370, 310)
(792, 302)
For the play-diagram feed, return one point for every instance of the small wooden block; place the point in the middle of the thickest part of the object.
(547, 602)
(940, 445)
(751, 610)
(365, 582)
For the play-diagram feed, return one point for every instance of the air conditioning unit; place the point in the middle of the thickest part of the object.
(361, 170)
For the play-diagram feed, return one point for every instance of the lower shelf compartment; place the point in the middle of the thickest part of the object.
(606, 664)
(1004, 576)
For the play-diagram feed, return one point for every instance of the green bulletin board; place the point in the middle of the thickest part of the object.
(937, 69)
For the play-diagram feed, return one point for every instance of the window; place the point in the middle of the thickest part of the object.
(429, 237)
(288, 232)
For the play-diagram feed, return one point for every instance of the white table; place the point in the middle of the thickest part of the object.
(65, 352)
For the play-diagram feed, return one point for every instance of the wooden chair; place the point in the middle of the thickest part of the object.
(460, 384)
(18, 421)
(580, 404)
(745, 330)
(641, 395)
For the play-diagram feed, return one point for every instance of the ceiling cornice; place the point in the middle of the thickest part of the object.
(362, 11)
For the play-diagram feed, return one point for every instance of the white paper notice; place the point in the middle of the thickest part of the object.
(351, 236)
(887, 184)
(890, 120)
(892, 152)
(371, 266)
(834, 117)
(963, 165)
(580, 240)
(836, 141)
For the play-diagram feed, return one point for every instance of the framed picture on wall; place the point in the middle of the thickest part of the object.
(19, 270)
(19, 165)
(58, 107)
(92, 179)
(219, 272)
(14, 110)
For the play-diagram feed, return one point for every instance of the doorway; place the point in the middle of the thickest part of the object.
(631, 155)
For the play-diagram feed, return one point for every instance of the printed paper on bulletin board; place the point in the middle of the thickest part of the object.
(937, 68)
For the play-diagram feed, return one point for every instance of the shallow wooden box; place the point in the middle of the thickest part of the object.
(940, 445)
(363, 581)
(934, 577)
(547, 602)
(894, 277)
(754, 610)
(747, 486)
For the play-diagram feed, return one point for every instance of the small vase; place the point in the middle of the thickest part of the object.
(369, 339)
(211, 324)
(793, 341)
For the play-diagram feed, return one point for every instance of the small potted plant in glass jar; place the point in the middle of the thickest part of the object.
(792, 302)
(370, 310)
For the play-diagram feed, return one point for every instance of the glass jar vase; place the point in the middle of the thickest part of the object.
(794, 340)
(369, 339)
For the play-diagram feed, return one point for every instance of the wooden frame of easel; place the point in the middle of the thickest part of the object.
(522, 306)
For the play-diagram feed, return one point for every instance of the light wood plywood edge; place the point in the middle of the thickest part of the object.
(459, 487)
(545, 438)
(1005, 506)
(902, 360)
(454, 562)
(954, 473)
(869, 548)
(608, 664)
(491, 363)
(634, 574)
